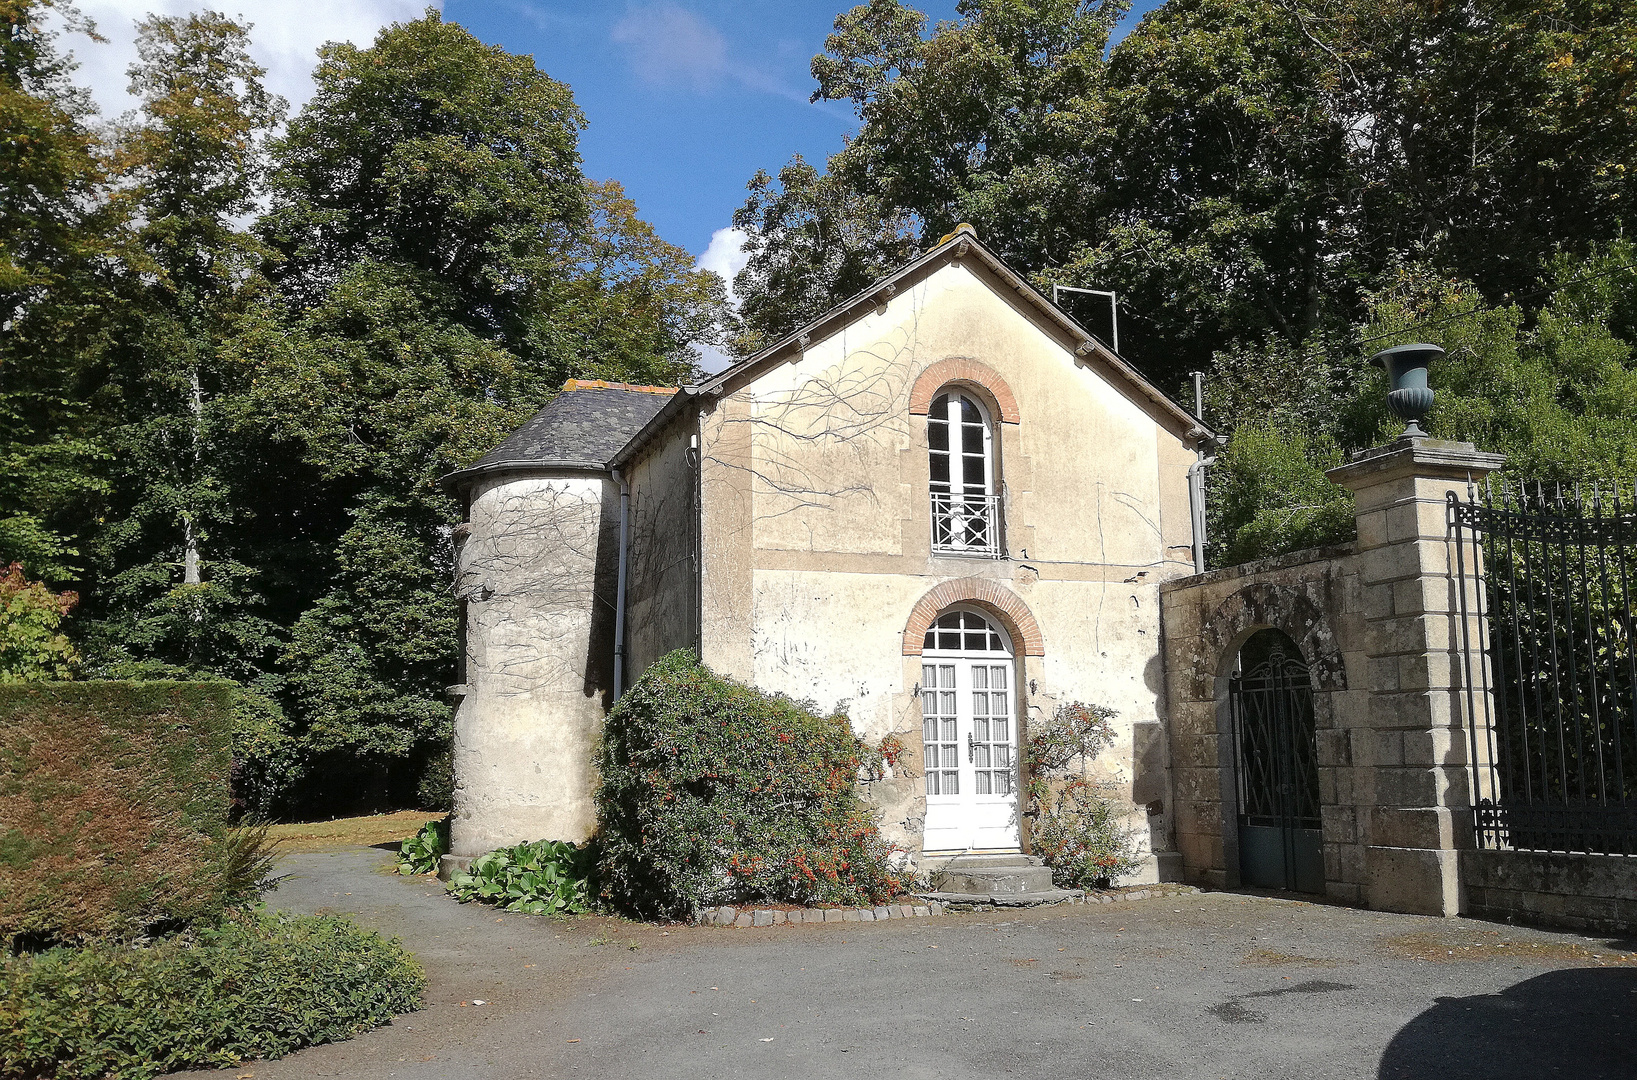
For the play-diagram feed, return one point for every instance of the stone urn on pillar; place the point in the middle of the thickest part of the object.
(1410, 398)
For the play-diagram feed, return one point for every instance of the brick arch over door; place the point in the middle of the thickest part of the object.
(959, 369)
(1012, 612)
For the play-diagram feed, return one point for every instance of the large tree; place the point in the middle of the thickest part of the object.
(54, 244)
(174, 582)
(1243, 172)
(442, 265)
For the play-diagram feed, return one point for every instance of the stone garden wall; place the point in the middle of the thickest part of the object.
(1379, 626)
(1316, 598)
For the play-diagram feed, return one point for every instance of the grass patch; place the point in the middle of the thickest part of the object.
(367, 831)
(1485, 945)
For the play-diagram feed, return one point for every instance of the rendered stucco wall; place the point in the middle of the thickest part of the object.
(537, 575)
(662, 598)
(816, 529)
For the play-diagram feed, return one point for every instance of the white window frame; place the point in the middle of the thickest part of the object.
(964, 522)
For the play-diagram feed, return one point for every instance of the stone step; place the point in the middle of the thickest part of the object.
(994, 875)
(967, 901)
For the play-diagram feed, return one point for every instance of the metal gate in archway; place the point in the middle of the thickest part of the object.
(1280, 833)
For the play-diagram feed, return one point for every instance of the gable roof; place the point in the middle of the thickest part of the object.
(960, 244)
(581, 428)
(598, 426)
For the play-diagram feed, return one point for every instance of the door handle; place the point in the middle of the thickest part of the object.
(969, 751)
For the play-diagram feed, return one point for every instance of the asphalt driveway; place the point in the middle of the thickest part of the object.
(1214, 985)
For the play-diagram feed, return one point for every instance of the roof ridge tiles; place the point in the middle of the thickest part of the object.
(603, 384)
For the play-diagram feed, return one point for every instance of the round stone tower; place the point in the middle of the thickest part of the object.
(536, 570)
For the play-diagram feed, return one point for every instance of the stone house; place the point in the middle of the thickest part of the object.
(942, 504)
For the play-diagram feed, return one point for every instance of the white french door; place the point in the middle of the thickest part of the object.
(969, 732)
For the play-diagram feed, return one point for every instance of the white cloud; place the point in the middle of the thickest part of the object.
(670, 44)
(284, 39)
(726, 255)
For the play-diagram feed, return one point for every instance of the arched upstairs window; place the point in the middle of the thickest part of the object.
(964, 480)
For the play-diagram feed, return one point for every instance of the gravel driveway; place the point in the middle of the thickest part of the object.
(1211, 985)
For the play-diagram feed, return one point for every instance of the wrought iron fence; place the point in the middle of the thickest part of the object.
(1551, 674)
(966, 524)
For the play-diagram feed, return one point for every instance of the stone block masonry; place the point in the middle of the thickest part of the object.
(1378, 624)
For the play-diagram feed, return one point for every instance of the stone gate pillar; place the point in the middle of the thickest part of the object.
(1414, 810)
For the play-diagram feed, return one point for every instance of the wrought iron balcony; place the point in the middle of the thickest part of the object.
(966, 524)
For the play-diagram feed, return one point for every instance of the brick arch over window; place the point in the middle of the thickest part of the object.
(959, 369)
(983, 593)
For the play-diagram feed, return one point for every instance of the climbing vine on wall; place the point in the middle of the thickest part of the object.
(1075, 824)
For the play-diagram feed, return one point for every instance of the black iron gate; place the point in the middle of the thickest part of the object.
(1551, 679)
(1280, 835)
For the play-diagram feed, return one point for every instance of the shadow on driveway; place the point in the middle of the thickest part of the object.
(1579, 1023)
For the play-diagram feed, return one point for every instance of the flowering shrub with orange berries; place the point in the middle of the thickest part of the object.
(716, 793)
(1074, 822)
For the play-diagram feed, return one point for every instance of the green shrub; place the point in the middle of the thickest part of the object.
(266, 753)
(31, 645)
(715, 793)
(546, 877)
(435, 790)
(114, 802)
(255, 986)
(1269, 495)
(1074, 823)
(421, 852)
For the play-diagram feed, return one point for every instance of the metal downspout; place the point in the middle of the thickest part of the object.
(1196, 505)
(619, 589)
(1196, 478)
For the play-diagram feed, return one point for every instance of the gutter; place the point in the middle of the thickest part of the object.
(455, 480)
(678, 402)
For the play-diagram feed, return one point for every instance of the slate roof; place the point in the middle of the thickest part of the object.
(581, 428)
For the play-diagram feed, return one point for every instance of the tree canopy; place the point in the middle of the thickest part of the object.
(252, 351)
(1270, 186)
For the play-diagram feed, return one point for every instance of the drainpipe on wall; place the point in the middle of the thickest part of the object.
(1196, 504)
(619, 589)
(1196, 477)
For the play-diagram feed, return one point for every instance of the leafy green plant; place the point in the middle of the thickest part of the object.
(31, 646)
(714, 792)
(1269, 495)
(545, 877)
(1074, 822)
(421, 852)
(256, 986)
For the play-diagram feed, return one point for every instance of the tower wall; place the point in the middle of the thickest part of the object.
(536, 574)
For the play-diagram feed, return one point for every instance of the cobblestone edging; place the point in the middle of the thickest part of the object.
(732, 916)
(735, 916)
(955, 902)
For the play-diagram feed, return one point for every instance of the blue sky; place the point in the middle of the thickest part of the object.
(686, 98)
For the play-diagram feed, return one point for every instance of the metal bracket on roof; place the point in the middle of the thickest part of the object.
(801, 347)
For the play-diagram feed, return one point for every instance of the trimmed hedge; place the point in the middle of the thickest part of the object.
(114, 801)
(255, 986)
(714, 793)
